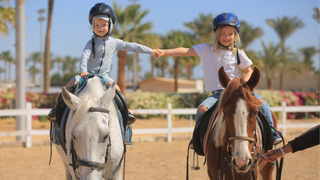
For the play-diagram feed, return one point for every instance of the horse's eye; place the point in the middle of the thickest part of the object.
(73, 136)
(105, 137)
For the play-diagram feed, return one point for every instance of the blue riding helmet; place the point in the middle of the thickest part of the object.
(226, 19)
(105, 10)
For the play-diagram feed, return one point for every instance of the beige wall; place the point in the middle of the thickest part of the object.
(167, 85)
(301, 83)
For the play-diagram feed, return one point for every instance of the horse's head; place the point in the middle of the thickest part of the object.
(237, 118)
(88, 135)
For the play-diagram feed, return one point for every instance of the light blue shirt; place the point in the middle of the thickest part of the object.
(104, 51)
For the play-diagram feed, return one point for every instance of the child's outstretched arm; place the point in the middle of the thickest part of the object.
(177, 52)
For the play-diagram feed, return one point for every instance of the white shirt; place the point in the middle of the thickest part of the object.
(212, 63)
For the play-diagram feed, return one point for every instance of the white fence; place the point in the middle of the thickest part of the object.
(29, 112)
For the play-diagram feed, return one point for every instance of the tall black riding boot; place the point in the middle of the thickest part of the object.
(131, 118)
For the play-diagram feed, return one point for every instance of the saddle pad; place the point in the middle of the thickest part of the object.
(201, 129)
(267, 139)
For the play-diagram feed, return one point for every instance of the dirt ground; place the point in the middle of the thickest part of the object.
(149, 158)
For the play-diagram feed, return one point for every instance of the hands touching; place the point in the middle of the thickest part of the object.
(157, 53)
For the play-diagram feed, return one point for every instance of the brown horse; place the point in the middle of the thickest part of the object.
(233, 148)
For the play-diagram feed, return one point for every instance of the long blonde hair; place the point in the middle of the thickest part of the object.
(233, 46)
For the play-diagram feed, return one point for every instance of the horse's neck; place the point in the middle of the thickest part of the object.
(115, 127)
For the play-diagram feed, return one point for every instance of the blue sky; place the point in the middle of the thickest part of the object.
(70, 27)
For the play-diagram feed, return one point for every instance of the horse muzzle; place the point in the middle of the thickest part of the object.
(242, 168)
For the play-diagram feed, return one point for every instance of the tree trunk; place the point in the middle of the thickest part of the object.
(135, 71)
(282, 80)
(122, 61)
(47, 49)
(270, 83)
(6, 72)
(153, 62)
(176, 71)
(163, 68)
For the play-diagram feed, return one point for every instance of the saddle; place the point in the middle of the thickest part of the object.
(203, 127)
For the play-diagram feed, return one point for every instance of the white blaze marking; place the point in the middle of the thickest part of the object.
(241, 152)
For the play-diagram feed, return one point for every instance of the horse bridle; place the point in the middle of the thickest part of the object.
(228, 158)
(94, 165)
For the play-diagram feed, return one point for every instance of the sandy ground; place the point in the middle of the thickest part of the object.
(146, 160)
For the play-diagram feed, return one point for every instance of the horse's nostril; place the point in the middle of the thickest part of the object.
(250, 162)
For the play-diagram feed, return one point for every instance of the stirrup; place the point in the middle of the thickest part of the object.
(195, 167)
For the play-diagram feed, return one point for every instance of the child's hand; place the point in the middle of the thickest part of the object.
(157, 53)
(84, 74)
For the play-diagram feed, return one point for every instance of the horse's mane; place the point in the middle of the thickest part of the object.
(90, 97)
(235, 85)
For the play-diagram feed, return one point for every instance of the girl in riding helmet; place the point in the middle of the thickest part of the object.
(222, 52)
(98, 52)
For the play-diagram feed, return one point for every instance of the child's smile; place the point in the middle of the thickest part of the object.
(101, 27)
(227, 35)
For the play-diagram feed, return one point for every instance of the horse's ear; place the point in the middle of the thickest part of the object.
(223, 77)
(109, 95)
(254, 79)
(71, 100)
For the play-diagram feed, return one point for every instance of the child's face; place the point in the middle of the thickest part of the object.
(100, 27)
(227, 35)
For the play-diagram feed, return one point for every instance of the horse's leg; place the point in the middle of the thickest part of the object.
(266, 169)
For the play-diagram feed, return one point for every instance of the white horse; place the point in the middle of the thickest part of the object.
(94, 140)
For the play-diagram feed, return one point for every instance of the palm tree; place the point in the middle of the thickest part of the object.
(33, 59)
(189, 62)
(1, 71)
(172, 40)
(155, 42)
(7, 17)
(69, 64)
(129, 66)
(284, 28)
(248, 34)
(316, 14)
(59, 62)
(47, 49)
(308, 53)
(202, 27)
(130, 28)
(8, 59)
(270, 58)
(161, 64)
